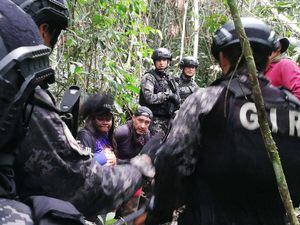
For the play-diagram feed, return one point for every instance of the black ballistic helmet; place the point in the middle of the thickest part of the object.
(24, 64)
(46, 11)
(256, 30)
(284, 42)
(161, 53)
(188, 61)
(52, 12)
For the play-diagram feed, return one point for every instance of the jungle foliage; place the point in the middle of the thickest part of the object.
(109, 43)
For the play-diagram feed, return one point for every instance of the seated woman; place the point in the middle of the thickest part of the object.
(97, 134)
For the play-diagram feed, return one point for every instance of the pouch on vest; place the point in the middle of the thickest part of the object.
(52, 211)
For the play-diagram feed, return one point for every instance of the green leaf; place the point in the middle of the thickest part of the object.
(132, 88)
(78, 70)
(97, 19)
(118, 107)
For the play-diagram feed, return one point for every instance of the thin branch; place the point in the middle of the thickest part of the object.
(196, 27)
(183, 29)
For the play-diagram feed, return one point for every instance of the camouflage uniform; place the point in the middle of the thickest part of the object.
(14, 212)
(155, 91)
(159, 125)
(186, 86)
(50, 162)
(214, 159)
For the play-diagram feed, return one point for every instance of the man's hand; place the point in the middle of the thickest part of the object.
(174, 98)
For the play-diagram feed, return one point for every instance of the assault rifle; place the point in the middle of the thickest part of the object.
(174, 103)
(69, 107)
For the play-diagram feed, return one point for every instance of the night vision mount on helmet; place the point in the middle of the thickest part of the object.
(188, 61)
(256, 30)
(21, 71)
(161, 53)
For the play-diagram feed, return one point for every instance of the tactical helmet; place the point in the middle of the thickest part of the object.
(256, 30)
(161, 53)
(24, 64)
(46, 11)
(52, 12)
(188, 61)
(284, 42)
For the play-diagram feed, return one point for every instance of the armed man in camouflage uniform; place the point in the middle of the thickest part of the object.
(186, 83)
(51, 169)
(159, 91)
(214, 159)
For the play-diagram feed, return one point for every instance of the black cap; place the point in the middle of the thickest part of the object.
(284, 42)
(97, 104)
(143, 111)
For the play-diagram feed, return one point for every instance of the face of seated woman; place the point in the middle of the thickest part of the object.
(103, 122)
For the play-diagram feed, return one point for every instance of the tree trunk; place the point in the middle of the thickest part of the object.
(196, 27)
(183, 29)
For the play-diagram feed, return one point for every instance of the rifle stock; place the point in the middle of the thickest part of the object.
(70, 108)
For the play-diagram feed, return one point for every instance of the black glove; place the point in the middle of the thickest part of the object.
(174, 98)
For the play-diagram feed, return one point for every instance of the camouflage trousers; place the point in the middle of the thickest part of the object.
(159, 125)
(129, 207)
(14, 212)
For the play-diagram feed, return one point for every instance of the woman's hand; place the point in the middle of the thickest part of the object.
(111, 157)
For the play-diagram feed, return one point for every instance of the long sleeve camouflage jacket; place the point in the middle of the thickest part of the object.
(150, 88)
(186, 87)
(50, 162)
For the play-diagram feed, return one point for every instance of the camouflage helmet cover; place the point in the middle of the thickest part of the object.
(161, 53)
(188, 61)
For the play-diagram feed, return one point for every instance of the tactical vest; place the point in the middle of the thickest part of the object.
(233, 157)
(186, 87)
(160, 110)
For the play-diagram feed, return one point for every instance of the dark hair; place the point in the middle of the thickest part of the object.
(54, 30)
(261, 55)
(98, 103)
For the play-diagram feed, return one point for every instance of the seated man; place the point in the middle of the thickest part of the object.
(130, 138)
